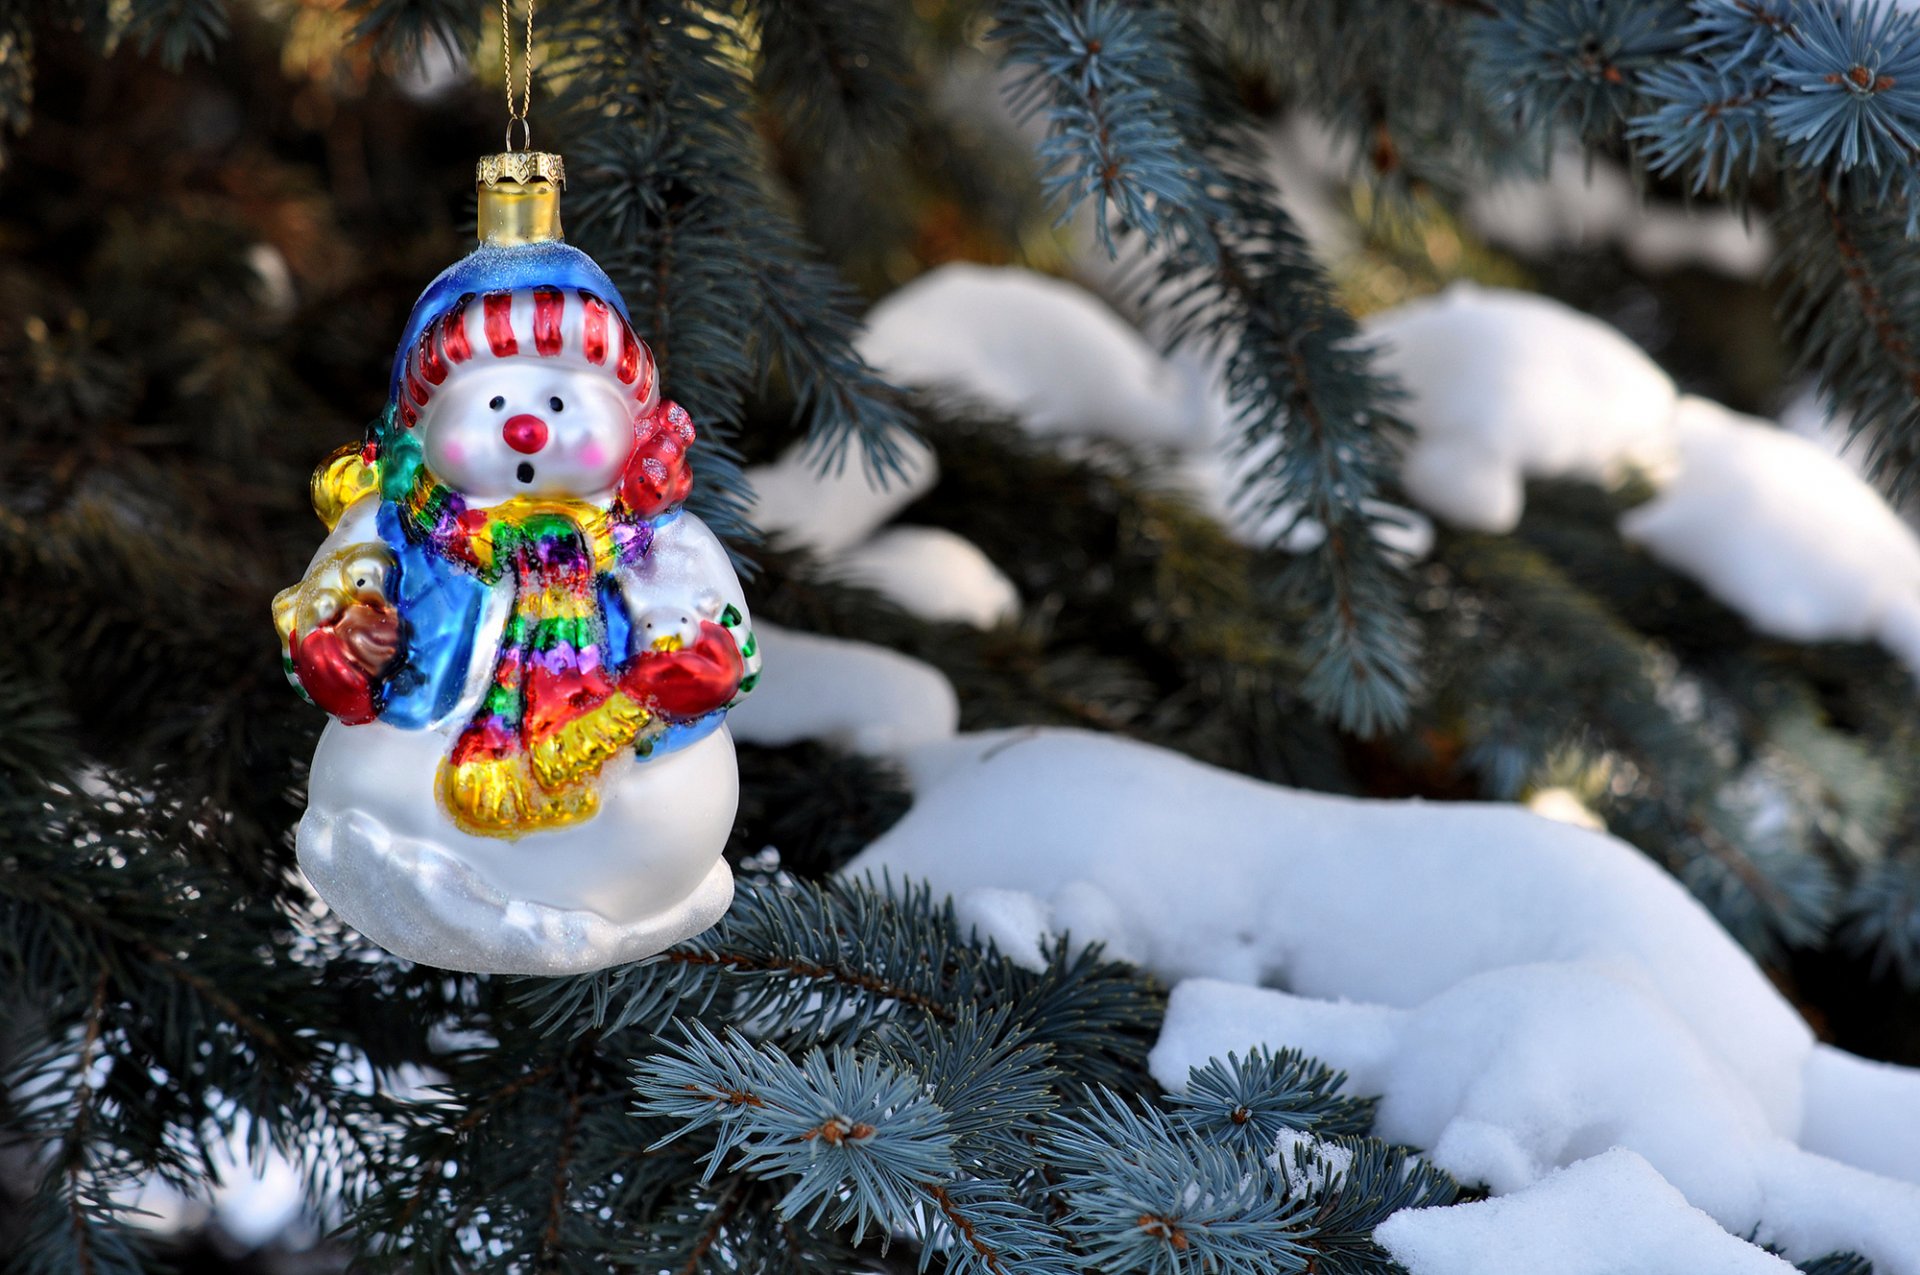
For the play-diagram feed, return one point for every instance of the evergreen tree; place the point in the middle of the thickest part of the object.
(215, 216)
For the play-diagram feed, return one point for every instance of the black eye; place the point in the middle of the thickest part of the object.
(556, 405)
(497, 403)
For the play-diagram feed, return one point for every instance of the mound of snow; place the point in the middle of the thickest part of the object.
(855, 695)
(1532, 992)
(1782, 531)
(1511, 1074)
(1846, 1094)
(1504, 386)
(1212, 874)
(933, 574)
(1037, 348)
(833, 510)
(1603, 1216)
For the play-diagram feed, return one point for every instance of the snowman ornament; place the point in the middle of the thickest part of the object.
(527, 645)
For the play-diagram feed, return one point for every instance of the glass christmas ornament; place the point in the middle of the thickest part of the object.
(527, 645)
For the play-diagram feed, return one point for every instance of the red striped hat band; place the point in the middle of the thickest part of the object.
(567, 325)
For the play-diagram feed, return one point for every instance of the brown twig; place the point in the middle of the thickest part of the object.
(82, 1118)
(562, 1170)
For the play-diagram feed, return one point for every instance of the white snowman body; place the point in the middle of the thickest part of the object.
(645, 870)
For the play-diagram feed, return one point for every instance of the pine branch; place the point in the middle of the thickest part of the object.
(836, 76)
(1577, 62)
(403, 29)
(177, 29)
(74, 1144)
(550, 1237)
(1851, 302)
(663, 113)
(1236, 280)
(1099, 70)
(1518, 717)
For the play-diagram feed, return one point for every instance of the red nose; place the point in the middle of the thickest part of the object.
(525, 433)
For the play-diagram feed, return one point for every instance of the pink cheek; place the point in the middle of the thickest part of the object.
(593, 455)
(454, 453)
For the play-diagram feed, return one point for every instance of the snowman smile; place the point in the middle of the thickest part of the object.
(525, 472)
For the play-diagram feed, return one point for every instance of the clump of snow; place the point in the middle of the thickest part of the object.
(1785, 533)
(853, 694)
(1517, 1071)
(1207, 874)
(1529, 994)
(1665, 238)
(1013, 921)
(1308, 1163)
(1024, 927)
(1062, 363)
(1037, 348)
(1603, 1216)
(1585, 203)
(838, 514)
(1808, 415)
(1846, 1094)
(258, 1197)
(833, 510)
(934, 574)
(1503, 386)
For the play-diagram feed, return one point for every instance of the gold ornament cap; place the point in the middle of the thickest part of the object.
(520, 197)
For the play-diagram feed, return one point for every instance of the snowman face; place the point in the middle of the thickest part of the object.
(528, 427)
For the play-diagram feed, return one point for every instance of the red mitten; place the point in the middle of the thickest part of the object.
(328, 672)
(659, 474)
(690, 682)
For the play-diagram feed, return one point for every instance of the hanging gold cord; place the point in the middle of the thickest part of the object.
(517, 115)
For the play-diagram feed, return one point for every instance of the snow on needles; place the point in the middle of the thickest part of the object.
(851, 694)
(838, 514)
(1546, 994)
(1504, 386)
(831, 510)
(1784, 532)
(1585, 203)
(1064, 364)
(934, 574)
(1602, 1216)
(1033, 347)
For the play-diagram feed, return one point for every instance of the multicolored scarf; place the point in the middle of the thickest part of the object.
(553, 714)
